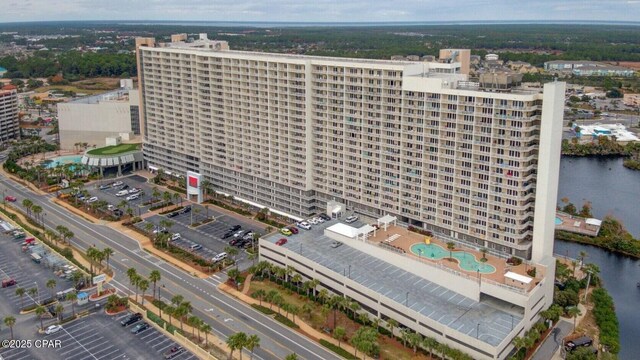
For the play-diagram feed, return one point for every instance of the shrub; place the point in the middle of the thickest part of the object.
(263, 309)
(338, 350)
(285, 321)
(606, 319)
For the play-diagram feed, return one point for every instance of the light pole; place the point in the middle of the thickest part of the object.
(478, 331)
(586, 290)
(406, 299)
(160, 300)
(511, 322)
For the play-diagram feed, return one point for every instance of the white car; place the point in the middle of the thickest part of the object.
(122, 193)
(92, 199)
(117, 183)
(351, 219)
(134, 191)
(313, 221)
(53, 329)
(111, 207)
(219, 257)
(133, 197)
(176, 236)
(304, 225)
(319, 219)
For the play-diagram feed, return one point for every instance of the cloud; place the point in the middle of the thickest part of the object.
(320, 10)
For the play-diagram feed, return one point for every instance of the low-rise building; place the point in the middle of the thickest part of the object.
(94, 119)
(587, 68)
(631, 100)
(618, 132)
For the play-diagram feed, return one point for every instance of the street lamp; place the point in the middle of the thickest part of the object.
(37, 293)
(160, 300)
(478, 330)
(406, 299)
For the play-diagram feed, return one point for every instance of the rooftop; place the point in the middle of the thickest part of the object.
(492, 319)
(111, 96)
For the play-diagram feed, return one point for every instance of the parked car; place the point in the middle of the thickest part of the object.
(281, 242)
(8, 282)
(248, 236)
(10, 198)
(131, 319)
(293, 229)
(228, 234)
(117, 183)
(160, 230)
(104, 187)
(134, 191)
(122, 193)
(92, 199)
(124, 187)
(185, 210)
(285, 231)
(111, 207)
(325, 217)
(118, 212)
(319, 219)
(582, 341)
(140, 328)
(195, 247)
(53, 329)
(350, 219)
(176, 236)
(238, 234)
(234, 241)
(313, 221)
(235, 228)
(133, 197)
(173, 352)
(219, 257)
(304, 225)
(172, 214)
(335, 244)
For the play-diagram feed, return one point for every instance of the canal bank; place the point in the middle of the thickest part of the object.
(619, 275)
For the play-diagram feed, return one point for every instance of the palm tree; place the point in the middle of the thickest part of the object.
(33, 292)
(20, 292)
(271, 295)
(51, 284)
(259, 294)
(234, 275)
(334, 303)
(143, 284)
(177, 197)
(451, 245)
(206, 329)
(136, 282)
(293, 356)
(170, 311)
(155, 194)
(59, 311)
(166, 196)
(307, 309)
(253, 341)
(148, 227)
(107, 254)
(131, 274)
(180, 313)
(27, 204)
(297, 279)
(484, 253)
(314, 285)
(193, 321)
(236, 342)
(391, 325)
(574, 312)
(177, 300)
(40, 310)
(72, 297)
(9, 321)
(323, 295)
(430, 344)
(414, 339)
(37, 210)
(154, 277)
(339, 333)
(519, 343)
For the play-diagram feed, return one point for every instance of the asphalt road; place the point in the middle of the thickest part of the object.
(553, 342)
(225, 314)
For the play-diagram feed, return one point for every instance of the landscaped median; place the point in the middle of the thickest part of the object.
(217, 349)
(341, 349)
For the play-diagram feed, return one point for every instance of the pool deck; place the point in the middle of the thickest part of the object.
(37, 158)
(576, 224)
(404, 239)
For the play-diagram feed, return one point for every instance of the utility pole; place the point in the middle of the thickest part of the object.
(586, 290)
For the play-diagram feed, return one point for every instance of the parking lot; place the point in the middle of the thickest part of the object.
(100, 336)
(18, 265)
(108, 193)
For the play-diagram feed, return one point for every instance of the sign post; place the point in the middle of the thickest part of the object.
(99, 279)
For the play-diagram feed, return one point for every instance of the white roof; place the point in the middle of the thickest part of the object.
(518, 277)
(344, 230)
(387, 219)
(592, 221)
(366, 229)
(336, 209)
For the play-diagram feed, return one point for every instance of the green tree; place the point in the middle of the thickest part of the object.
(259, 294)
(154, 277)
(236, 342)
(339, 334)
(574, 312)
(253, 341)
(293, 356)
(10, 321)
(143, 284)
(206, 329)
(40, 310)
(51, 284)
(451, 245)
(107, 254)
(73, 297)
(59, 312)
(20, 292)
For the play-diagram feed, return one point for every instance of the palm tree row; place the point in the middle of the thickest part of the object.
(96, 255)
(240, 340)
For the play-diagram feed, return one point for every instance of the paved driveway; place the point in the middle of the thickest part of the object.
(553, 342)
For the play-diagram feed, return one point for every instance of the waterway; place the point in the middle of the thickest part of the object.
(612, 189)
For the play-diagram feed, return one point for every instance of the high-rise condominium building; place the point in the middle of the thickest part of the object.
(416, 140)
(8, 114)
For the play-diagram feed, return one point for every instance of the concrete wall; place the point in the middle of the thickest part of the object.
(92, 123)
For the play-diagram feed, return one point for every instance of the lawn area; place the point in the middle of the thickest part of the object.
(320, 319)
(112, 150)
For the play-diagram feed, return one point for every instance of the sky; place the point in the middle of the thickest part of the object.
(320, 10)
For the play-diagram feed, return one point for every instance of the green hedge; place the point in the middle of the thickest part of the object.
(604, 312)
(285, 321)
(338, 350)
(263, 309)
(156, 319)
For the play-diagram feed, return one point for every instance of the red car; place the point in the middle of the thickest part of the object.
(293, 229)
(281, 242)
(10, 198)
(8, 282)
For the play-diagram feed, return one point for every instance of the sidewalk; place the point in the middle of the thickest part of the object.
(552, 345)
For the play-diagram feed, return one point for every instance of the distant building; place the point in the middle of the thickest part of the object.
(588, 68)
(492, 57)
(2, 71)
(618, 132)
(94, 119)
(521, 67)
(8, 113)
(463, 56)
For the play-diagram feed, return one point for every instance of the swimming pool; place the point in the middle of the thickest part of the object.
(62, 160)
(466, 260)
(558, 221)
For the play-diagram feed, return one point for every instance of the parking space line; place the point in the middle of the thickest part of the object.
(105, 355)
(151, 332)
(82, 346)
